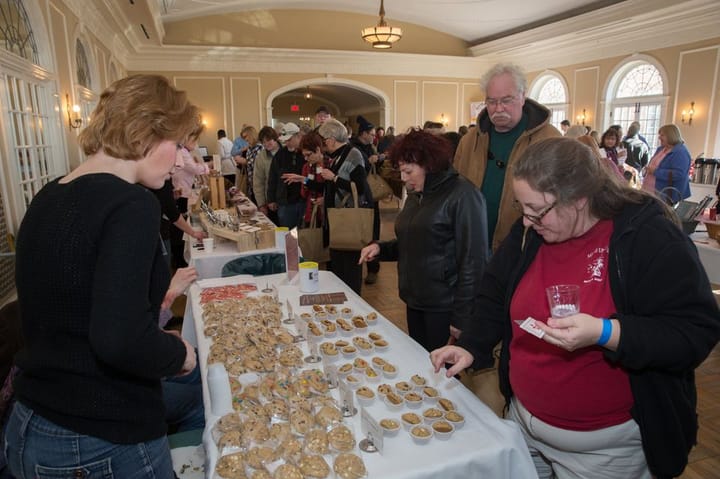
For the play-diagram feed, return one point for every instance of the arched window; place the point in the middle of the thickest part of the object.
(16, 32)
(82, 65)
(550, 90)
(636, 92)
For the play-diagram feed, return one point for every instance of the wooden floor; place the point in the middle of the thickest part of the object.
(704, 458)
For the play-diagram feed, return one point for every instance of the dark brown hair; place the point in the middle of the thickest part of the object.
(267, 133)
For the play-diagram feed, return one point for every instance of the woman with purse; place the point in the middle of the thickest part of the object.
(441, 246)
(345, 167)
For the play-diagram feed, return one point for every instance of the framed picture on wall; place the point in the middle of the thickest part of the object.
(475, 109)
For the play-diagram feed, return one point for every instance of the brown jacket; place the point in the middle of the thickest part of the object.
(471, 158)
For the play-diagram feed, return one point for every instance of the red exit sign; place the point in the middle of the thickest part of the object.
(294, 108)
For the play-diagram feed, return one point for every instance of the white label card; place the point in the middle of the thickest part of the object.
(371, 429)
(531, 327)
(346, 396)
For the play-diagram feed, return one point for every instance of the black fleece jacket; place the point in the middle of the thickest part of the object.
(667, 313)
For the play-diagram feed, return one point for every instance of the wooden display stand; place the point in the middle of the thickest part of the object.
(257, 233)
(217, 192)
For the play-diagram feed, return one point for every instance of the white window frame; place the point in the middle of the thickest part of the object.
(559, 111)
(611, 101)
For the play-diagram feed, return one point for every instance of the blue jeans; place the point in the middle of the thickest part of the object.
(38, 448)
(184, 407)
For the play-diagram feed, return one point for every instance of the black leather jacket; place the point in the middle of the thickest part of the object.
(441, 246)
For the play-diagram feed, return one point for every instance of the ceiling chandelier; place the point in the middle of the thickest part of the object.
(382, 35)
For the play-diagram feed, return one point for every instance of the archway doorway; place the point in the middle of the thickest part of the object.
(346, 99)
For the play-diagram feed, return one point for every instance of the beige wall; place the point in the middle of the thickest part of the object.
(692, 74)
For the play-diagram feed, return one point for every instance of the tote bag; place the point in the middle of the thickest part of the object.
(311, 241)
(350, 228)
(378, 186)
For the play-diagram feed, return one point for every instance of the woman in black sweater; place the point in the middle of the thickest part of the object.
(90, 278)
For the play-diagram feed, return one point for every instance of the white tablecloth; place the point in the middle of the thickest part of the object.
(485, 446)
(210, 264)
(709, 252)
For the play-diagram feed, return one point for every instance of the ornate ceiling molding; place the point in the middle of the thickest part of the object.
(277, 60)
(634, 26)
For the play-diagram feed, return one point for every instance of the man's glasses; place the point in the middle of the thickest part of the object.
(506, 101)
(534, 219)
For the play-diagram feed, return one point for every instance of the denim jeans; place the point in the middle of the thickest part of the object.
(38, 448)
(184, 401)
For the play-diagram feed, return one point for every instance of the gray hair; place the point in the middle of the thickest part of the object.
(517, 74)
(332, 128)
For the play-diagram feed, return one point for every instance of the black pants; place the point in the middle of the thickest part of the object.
(345, 265)
(374, 265)
(429, 328)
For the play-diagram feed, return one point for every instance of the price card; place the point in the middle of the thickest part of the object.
(347, 399)
(331, 373)
(371, 430)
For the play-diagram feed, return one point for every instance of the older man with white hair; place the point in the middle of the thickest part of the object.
(505, 128)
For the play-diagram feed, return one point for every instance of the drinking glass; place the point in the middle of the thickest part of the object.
(564, 299)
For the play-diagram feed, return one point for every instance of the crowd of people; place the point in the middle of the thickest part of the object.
(495, 215)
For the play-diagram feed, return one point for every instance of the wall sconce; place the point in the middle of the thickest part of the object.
(74, 119)
(582, 118)
(444, 120)
(689, 114)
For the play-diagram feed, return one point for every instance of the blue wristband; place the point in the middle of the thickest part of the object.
(606, 332)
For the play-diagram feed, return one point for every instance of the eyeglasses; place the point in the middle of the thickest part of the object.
(534, 219)
(506, 101)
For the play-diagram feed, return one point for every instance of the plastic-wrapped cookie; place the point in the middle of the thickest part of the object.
(231, 466)
(314, 466)
(290, 449)
(258, 456)
(349, 466)
(341, 438)
(256, 430)
(316, 441)
(260, 474)
(280, 431)
(288, 471)
(301, 422)
(327, 416)
(230, 439)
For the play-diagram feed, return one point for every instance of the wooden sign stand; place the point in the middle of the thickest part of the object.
(217, 192)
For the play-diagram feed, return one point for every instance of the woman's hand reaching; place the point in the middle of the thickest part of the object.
(369, 253)
(460, 359)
